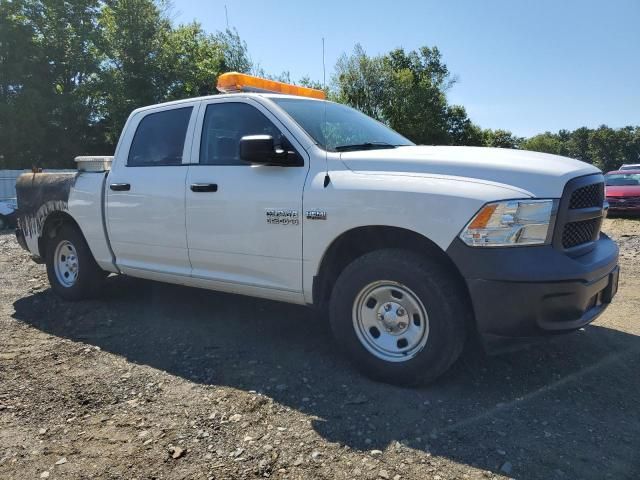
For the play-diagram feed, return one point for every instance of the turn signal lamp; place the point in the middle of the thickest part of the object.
(234, 82)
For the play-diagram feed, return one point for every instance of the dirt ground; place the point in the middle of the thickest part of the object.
(160, 381)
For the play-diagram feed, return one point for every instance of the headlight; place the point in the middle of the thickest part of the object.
(510, 223)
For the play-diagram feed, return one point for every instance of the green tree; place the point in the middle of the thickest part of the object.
(19, 60)
(360, 82)
(629, 138)
(306, 81)
(416, 103)
(501, 139)
(71, 72)
(461, 130)
(406, 90)
(236, 56)
(604, 147)
(44, 101)
(148, 61)
(564, 136)
(131, 76)
(191, 62)
(545, 142)
(578, 145)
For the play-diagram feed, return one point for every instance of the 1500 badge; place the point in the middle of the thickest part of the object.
(316, 215)
(282, 217)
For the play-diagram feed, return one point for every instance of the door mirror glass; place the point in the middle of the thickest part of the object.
(257, 148)
(261, 149)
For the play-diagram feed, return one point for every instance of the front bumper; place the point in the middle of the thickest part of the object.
(523, 292)
(621, 206)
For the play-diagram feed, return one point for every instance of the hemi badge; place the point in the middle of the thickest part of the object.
(316, 215)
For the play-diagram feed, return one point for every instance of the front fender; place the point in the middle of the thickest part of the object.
(436, 207)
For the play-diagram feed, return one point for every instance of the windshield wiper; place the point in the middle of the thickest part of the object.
(364, 146)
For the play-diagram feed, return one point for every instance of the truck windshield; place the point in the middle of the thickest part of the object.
(344, 129)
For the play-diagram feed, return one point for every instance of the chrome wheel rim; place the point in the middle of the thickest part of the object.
(65, 263)
(390, 321)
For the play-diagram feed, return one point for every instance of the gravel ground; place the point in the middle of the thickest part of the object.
(161, 381)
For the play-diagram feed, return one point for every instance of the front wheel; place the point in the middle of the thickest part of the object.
(73, 273)
(399, 316)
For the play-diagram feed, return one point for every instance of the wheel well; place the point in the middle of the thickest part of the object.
(50, 228)
(359, 241)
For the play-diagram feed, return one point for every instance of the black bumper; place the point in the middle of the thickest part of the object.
(523, 292)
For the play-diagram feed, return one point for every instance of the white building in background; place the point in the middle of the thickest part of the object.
(8, 183)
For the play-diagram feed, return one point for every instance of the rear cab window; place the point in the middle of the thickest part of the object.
(159, 139)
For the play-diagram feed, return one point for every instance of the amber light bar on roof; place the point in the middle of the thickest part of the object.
(234, 82)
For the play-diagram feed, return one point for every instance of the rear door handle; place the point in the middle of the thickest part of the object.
(204, 187)
(120, 187)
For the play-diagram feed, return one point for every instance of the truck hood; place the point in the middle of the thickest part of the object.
(527, 173)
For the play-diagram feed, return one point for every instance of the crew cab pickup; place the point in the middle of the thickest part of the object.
(411, 249)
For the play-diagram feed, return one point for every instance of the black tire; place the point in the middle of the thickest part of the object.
(4, 222)
(89, 275)
(441, 294)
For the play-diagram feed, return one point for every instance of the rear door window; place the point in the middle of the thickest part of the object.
(159, 139)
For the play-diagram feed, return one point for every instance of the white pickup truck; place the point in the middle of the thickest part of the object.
(412, 249)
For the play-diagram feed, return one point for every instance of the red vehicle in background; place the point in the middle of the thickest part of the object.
(623, 191)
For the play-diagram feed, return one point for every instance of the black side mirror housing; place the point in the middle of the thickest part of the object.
(262, 150)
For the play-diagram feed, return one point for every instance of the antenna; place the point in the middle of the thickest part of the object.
(327, 179)
(226, 15)
(324, 70)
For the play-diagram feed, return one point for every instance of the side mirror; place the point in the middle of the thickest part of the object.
(262, 150)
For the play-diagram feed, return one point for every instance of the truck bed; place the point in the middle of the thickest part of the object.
(38, 195)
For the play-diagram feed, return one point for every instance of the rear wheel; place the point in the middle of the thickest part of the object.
(73, 273)
(399, 316)
(4, 223)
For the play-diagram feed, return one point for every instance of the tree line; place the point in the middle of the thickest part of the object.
(71, 72)
(407, 90)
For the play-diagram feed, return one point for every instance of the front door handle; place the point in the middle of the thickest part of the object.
(120, 187)
(204, 187)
